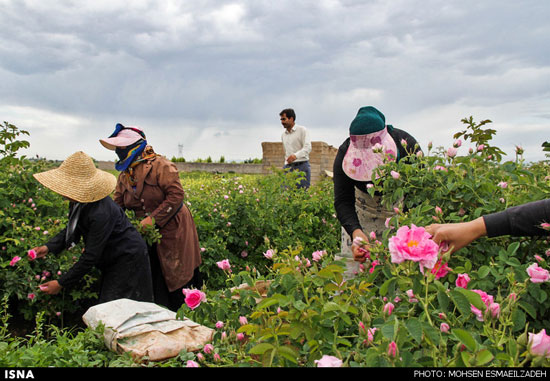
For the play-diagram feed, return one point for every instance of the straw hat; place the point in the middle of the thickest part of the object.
(78, 179)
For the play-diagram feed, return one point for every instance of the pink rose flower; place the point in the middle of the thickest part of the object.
(31, 296)
(538, 274)
(240, 336)
(31, 254)
(193, 298)
(219, 324)
(14, 260)
(224, 265)
(539, 344)
(440, 270)
(217, 357)
(370, 334)
(268, 254)
(457, 143)
(208, 348)
(388, 308)
(413, 244)
(451, 152)
(395, 175)
(392, 349)
(373, 265)
(494, 308)
(412, 298)
(462, 280)
(317, 255)
(444, 327)
(486, 299)
(328, 362)
(191, 364)
(243, 320)
(503, 184)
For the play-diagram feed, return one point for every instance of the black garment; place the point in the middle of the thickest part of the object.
(114, 246)
(344, 186)
(522, 220)
(171, 300)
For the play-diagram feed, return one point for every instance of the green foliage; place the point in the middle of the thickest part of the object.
(303, 303)
(239, 218)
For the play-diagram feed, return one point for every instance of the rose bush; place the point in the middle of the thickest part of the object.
(409, 305)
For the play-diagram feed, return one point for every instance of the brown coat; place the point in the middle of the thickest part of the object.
(159, 194)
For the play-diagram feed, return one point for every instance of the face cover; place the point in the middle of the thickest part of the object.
(129, 154)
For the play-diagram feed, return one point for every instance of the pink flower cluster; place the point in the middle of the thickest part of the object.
(493, 309)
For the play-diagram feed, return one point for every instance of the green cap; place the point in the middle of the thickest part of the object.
(367, 121)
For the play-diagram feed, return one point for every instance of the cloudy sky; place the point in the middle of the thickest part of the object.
(212, 75)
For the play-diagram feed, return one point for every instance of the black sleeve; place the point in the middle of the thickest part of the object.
(344, 194)
(57, 243)
(99, 226)
(522, 220)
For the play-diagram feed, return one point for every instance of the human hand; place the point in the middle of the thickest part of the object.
(457, 235)
(51, 288)
(291, 159)
(360, 252)
(41, 251)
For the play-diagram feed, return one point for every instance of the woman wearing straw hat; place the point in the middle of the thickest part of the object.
(150, 185)
(371, 142)
(112, 244)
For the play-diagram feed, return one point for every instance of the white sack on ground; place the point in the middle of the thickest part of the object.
(146, 329)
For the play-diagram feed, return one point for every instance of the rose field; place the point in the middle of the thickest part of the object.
(276, 291)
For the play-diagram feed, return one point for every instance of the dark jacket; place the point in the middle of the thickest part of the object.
(344, 186)
(113, 246)
(522, 220)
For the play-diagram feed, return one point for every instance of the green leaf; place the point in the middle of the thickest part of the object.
(528, 308)
(388, 330)
(465, 338)
(268, 302)
(288, 353)
(483, 272)
(483, 357)
(466, 357)
(415, 329)
(261, 348)
(443, 300)
(518, 318)
(473, 298)
(331, 306)
(461, 302)
(384, 288)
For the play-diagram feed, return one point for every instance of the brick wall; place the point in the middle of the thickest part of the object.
(321, 158)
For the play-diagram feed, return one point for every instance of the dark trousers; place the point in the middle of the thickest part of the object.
(172, 300)
(302, 166)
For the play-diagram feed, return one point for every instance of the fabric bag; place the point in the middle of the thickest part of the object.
(146, 329)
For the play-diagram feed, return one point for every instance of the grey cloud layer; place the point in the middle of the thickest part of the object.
(241, 61)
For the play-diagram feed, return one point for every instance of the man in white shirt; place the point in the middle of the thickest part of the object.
(297, 146)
